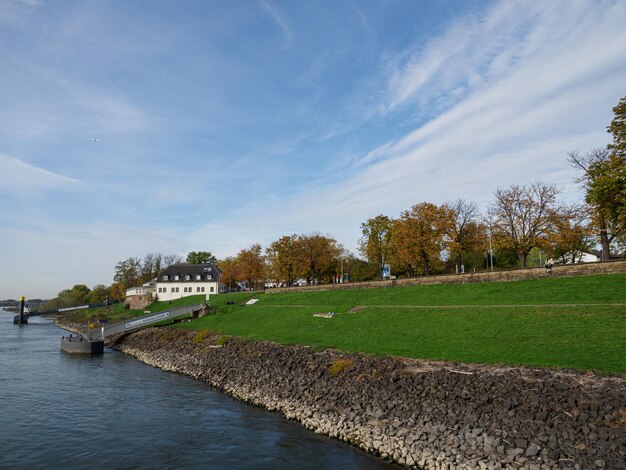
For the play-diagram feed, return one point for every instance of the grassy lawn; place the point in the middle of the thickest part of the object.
(481, 328)
(544, 322)
(116, 312)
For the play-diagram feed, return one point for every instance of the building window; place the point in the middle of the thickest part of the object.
(198, 277)
(212, 289)
(209, 277)
(197, 289)
(187, 277)
(177, 277)
(175, 288)
(166, 278)
(203, 289)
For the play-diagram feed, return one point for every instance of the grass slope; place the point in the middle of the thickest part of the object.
(469, 323)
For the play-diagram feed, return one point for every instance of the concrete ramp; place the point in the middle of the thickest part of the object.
(139, 322)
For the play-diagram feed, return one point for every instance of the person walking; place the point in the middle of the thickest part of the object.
(549, 264)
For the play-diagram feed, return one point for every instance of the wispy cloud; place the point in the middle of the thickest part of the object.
(277, 15)
(548, 90)
(214, 138)
(20, 176)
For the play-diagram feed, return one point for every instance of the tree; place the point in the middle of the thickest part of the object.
(228, 267)
(522, 217)
(127, 272)
(358, 269)
(77, 295)
(618, 129)
(604, 179)
(150, 266)
(98, 294)
(200, 257)
(170, 260)
(466, 235)
(419, 236)
(571, 236)
(375, 243)
(285, 259)
(250, 265)
(321, 256)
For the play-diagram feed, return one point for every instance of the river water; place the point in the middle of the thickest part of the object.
(112, 411)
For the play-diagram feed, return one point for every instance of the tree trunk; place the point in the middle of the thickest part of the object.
(522, 259)
(606, 244)
(425, 264)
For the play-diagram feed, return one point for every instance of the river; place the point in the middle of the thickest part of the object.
(112, 411)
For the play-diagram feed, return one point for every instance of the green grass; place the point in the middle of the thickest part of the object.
(583, 336)
(578, 290)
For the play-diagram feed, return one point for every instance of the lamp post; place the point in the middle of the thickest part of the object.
(490, 248)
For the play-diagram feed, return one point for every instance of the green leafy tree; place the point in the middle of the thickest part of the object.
(604, 179)
(98, 294)
(618, 129)
(200, 257)
(127, 272)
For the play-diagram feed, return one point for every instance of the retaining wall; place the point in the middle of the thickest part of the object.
(583, 269)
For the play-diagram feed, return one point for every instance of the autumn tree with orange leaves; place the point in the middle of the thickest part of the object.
(420, 236)
(285, 259)
(321, 256)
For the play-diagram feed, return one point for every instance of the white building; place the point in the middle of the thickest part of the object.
(183, 280)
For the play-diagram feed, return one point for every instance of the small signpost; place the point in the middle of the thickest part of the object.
(386, 271)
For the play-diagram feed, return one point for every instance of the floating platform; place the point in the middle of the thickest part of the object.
(79, 345)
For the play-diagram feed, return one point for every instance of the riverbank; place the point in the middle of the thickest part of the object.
(416, 413)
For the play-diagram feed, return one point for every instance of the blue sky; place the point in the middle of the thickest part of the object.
(226, 123)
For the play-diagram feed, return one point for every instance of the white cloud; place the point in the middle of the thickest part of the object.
(543, 93)
(20, 176)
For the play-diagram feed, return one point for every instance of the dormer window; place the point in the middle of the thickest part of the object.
(209, 277)
(198, 277)
(187, 277)
(177, 277)
(166, 278)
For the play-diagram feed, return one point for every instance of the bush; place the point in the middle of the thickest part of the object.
(222, 340)
(201, 336)
(339, 366)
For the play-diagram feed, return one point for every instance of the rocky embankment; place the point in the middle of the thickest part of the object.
(416, 413)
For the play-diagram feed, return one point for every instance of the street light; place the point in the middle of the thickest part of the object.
(490, 248)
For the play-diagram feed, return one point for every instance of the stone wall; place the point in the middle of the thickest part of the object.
(584, 269)
(139, 302)
(424, 414)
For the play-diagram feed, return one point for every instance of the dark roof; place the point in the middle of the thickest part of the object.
(191, 269)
